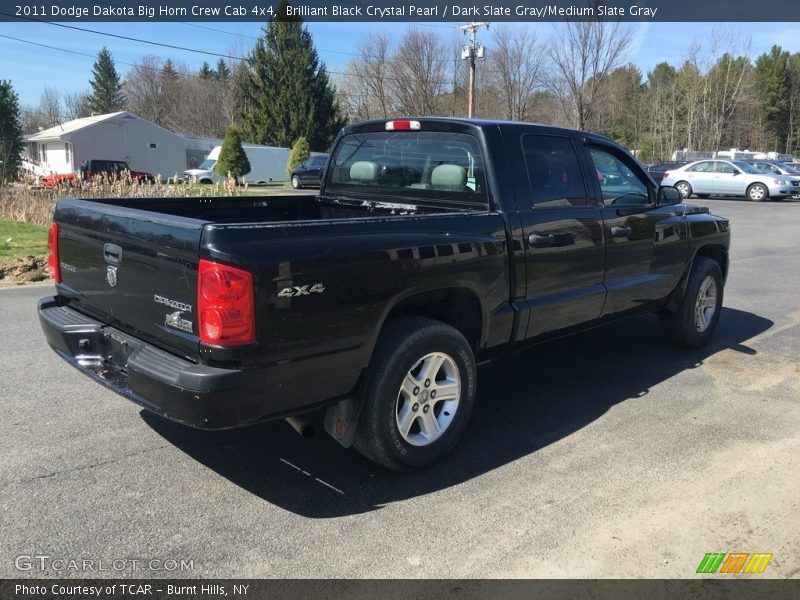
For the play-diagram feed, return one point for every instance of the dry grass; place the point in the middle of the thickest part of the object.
(30, 204)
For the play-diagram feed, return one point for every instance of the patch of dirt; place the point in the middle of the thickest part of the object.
(24, 270)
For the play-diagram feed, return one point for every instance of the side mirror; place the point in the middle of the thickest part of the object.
(736, 172)
(668, 196)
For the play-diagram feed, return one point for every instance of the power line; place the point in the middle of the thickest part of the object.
(126, 37)
(94, 56)
(175, 47)
(186, 49)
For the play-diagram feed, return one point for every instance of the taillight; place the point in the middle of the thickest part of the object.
(225, 305)
(403, 125)
(53, 264)
(665, 175)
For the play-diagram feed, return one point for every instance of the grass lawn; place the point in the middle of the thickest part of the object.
(18, 240)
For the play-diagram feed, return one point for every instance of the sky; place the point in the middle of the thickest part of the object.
(31, 68)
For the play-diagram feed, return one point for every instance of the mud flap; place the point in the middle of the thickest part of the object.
(341, 420)
(677, 295)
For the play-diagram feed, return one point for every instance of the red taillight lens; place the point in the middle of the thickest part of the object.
(403, 125)
(53, 263)
(225, 305)
(666, 174)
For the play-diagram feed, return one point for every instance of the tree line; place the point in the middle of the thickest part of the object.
(274, 94)
(575, 74)
(717, 97)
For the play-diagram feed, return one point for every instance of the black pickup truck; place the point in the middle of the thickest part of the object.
(434, 245)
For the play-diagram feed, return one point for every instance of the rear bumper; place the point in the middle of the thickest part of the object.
(193, 394)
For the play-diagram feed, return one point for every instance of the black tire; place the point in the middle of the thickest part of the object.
(703, 196)
(681, 326)
(403, 344)
(684, 188)
(296, 182)
(757, 192)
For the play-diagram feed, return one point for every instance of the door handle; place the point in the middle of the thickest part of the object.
(538, 240)
(621, 231)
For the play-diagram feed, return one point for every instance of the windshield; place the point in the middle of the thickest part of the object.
(208, 164)
(790, 170)
(415, 165)
(747, 168)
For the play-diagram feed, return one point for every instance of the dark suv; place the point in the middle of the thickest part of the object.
(112, 169)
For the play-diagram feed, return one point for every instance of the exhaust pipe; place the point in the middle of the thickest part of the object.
(304, 428)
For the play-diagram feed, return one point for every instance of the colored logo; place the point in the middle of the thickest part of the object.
(734, 562)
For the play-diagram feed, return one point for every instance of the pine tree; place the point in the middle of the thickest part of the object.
(205, 73)
(223, 72)
(106, 89)
(232, 157)
(298, 156)
(169, 75)
(286, 91)
(10, 132)
(774, 83)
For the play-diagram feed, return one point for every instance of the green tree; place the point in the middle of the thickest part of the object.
(664, 98)
(205, 73)
(232, 157)
(286, 91)
(773, 82)
(223, 73)
(106, 94)
(10, 132)
(299, 155)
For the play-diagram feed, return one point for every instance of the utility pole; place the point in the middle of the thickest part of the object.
(470, 52)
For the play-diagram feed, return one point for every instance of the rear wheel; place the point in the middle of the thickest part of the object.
(757, 192)
(684, 188)
(418, 395)
(693, 323)
(296, 182)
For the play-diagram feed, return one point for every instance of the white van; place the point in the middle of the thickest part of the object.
(267, 164)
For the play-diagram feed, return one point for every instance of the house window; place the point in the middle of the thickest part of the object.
(152, 146)
(43, 153)
(68, 153)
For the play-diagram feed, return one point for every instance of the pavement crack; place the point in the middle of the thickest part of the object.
(83, 467)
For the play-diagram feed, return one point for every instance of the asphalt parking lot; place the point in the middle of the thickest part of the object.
(609, 455)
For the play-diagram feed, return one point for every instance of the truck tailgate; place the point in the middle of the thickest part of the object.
(133, 269)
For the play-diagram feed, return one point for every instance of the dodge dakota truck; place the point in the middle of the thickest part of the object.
(434, 244)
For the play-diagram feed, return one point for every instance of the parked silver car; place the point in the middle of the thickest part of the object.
(705, 178)
(778, 168)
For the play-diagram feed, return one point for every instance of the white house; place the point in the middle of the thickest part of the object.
(144, 145)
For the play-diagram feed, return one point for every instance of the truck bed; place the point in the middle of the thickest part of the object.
(265, 209)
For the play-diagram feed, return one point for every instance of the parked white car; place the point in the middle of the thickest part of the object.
(705, 178)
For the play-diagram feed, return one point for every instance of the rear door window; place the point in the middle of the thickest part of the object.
(554, 172)
(702, 167)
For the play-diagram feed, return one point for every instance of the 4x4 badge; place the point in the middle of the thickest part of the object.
(301, 290)
(111, 275)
